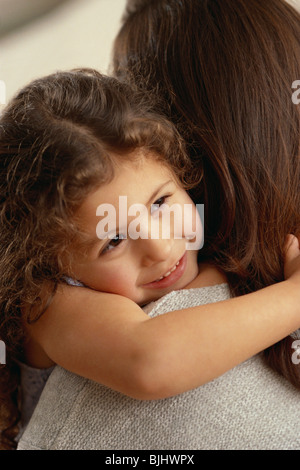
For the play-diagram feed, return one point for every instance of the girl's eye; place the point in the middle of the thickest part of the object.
(158, 203)
(114, 242)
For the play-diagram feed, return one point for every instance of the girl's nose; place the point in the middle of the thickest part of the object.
(155, 250)
(155, 240)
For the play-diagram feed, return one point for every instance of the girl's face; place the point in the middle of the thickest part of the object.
(142, 252)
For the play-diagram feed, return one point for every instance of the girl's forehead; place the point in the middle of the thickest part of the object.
(139, 182)
(142, 159)
(135, 178)
(146, 169)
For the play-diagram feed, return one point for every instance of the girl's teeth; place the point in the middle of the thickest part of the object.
(169, 272)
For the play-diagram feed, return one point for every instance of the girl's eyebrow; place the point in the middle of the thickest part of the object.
(158, 190)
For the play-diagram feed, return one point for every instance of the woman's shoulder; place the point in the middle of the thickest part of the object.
(208, 276)
(185, 298)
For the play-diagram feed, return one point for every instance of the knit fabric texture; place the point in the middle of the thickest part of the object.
(249, 408)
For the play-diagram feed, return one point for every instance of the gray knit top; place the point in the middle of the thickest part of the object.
(249, 407)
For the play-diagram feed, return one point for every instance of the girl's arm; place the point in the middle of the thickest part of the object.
(109, 339)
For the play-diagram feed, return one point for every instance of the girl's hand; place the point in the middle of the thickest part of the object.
(292, 259)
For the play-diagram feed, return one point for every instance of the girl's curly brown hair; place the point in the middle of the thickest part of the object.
(57, 137)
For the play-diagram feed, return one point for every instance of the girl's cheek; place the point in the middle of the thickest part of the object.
(119, 282)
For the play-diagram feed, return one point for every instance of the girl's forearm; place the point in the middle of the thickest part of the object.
(193, 346)
(110, 340)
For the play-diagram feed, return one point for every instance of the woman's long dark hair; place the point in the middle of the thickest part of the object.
(224, 70)
(57, 138)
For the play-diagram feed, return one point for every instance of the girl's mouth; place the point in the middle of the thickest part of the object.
(170, 277)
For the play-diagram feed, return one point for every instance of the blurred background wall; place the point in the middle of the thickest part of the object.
(38, 37)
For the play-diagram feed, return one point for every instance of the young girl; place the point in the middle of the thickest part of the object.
(69, 144)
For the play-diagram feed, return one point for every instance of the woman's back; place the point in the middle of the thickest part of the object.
(250, 407)
(223, 72)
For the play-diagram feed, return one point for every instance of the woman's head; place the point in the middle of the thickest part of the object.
(224, 72)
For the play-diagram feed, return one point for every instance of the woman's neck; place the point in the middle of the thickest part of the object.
(208, 275)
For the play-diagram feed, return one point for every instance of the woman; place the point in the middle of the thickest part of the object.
(223, 72)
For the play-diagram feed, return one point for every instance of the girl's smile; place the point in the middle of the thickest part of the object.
(142, 268)
(171, 276)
